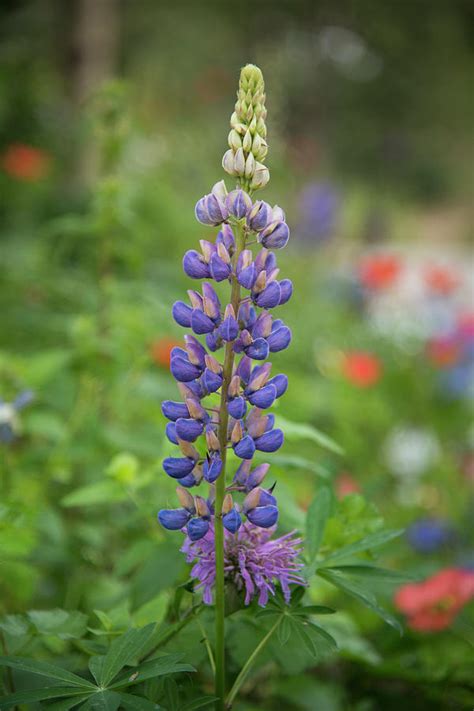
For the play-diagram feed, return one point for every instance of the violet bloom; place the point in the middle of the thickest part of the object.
(253, 562)
(318, 209)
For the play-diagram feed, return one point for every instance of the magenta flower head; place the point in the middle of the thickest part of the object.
(253, 562)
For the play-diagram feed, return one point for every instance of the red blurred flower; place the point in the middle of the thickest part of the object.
(345, 485)
(433, 604)
(362, 369)
(443, 351)
(379, 271)
(160, 351)
(441, 279)
(25, 162)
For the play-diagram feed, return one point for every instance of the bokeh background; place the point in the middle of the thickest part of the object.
(113, 121)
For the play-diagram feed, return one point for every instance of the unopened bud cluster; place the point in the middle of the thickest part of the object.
(247, 138)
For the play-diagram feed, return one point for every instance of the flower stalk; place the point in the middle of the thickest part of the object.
(227, 549)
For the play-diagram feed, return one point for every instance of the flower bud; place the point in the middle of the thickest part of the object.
(202, 509)
(247, 142)
(275, 235)
(227, 164)
(259, 215)
(234, 140)
(197, 528)
(173, 519)
(185, 499)
(249, 165)
(232, 521)
(261, 176)
(239, 162)
(263, 516)
(227, 504)
(238, 203)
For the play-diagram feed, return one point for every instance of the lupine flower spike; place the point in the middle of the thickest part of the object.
(228, 532)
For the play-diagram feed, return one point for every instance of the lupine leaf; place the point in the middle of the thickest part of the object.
(123, 650)
(358, 592)
(95, 667)
(138, 703)
(160, 666)
(316, 518)
(60, 623)
(325, 635)
(102, 701)
(69, 703)
(314, 610)
(284, 630)
(372, 541)
(301, 430)
(48, 670)
(374, 573)
(50, 692)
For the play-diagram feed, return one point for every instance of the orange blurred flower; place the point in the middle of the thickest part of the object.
(441, 279)
(361, 368)
(433, 604)
(345, 485)
(25, 162)
(160, 351)
(379, 271)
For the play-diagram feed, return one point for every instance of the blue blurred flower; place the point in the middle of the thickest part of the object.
(429, 535)
(9, 421)
(318, 206)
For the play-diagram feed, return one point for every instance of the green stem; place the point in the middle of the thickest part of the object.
(207, 644)
(220, 490)
(248, 665)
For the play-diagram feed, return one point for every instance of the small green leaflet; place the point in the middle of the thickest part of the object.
(122, 651)
(364, 544)
(300, 430)
(360, 593)
(48, 670)
(34, 695)
(316, 518)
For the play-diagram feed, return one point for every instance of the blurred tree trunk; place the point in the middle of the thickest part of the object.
(95, 44)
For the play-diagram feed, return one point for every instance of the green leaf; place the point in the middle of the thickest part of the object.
(102, 701)
(123, 650)
(137, 703)
(371, 541)
(69, 703)
(314, 610)
(375, 573)
(199, 703)
(95, 666)
(48, 670)
(300, 430)
(51, 692)
(316, 518)
(325, 635)
(307, 640)
(59, 623)
(284, 629)
(15, 625)
(160, 666)
(358, 592)
(101, 492)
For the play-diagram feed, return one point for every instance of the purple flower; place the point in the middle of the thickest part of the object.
(429, 535)
(253, 562)
(10, 426)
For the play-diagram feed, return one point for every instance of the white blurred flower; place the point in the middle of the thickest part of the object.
(409, 452)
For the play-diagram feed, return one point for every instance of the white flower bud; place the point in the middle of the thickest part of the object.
(249, 166)
(260, 177)
(228, 162)
(239, 162)
(234, 140)
(247, 142)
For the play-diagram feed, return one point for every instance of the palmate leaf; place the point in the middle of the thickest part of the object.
(102, 701)
(34, 695)
(364, 544)
(357, 591)
(48, 670)
(122, 651)
(169, 664)
(316, 519)
(137, 703)
(67, 704)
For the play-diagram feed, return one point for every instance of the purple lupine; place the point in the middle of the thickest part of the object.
(253, 562)
(226, 355)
